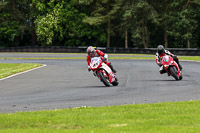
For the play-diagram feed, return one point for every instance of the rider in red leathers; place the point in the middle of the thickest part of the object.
(162, 52)
(96, 53)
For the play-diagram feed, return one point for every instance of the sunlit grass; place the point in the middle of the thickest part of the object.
(7, 69)
(193, 58)
(116, 56)
(177, 117)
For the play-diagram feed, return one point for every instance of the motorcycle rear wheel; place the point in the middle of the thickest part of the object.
(116, 82)
(104, 80)
(174, 72)
(181, 76)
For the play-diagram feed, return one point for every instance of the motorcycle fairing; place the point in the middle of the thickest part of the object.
(109, 72)
(168, 61)
(96, 63)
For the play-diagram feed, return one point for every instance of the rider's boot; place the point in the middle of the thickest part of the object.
(179, 65)
(162, 70)
(111, 67)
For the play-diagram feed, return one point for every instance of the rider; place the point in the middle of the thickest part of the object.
(97, 53)
(162, 52)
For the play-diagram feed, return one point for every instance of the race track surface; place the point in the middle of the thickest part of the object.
(68, 84)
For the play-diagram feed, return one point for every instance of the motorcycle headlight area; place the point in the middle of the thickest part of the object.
(166, 65)
(171, 62)
(95, 64)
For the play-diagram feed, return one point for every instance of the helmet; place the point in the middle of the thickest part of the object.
(91, 51)
(160, 49)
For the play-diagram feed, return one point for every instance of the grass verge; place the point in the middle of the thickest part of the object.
(129, 56)
(177, 117)
(192, 58)
(7, 69)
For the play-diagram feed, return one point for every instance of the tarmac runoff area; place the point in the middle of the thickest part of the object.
(68, 84)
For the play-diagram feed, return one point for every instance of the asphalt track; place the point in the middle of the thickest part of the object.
(68, 84)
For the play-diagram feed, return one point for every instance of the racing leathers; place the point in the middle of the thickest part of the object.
(159, 60)
(99, 53)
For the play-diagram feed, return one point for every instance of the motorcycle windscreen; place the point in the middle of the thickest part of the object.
(95, 62)
(166, 58)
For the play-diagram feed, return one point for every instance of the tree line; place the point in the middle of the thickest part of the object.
(103, 23)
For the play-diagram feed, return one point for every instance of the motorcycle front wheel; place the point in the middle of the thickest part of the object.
(116, 82)
(104, 79)
(174, 72)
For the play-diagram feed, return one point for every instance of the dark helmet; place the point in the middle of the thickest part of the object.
(91, 51)
(160, 49)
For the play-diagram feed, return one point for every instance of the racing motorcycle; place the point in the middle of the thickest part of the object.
(103, 72)
(171, 67)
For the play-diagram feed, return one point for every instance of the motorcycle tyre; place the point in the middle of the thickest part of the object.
(174, 72)
(116, 82)
(104, 80)
(181, 77)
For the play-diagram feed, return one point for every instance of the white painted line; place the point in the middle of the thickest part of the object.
(43, 65)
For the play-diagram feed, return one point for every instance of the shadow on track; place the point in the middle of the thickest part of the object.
(92, 87)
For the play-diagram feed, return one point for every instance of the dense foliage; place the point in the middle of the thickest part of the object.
(106, 23)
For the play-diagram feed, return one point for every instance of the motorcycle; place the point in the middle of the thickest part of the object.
(171, 67)
(103, 72)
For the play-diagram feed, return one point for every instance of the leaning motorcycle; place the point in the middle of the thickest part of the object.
(171, 67)
(103, 72)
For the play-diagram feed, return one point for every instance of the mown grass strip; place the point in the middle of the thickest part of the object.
(7, 69)
(41, 58)
(73, 58)
(134, 57)
(176, 117)
(76, 53)
(192, 58)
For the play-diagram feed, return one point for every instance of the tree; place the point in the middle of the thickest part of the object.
(126, 20)
(8, 27)
(17, 22)
(103, 12)
(61, 21)
(187, 23)
(119, 23)
(141, 13)
(178, 21)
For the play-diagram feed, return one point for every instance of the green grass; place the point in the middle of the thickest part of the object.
(66, 58)
(41, 58)
(177, 117)
(120, 57)
(193, 58)
(7, 69)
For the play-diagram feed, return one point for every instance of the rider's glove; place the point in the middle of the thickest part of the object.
(160, 64)
(104, 59)
(106, 56)
(89, 69)
(94, 73)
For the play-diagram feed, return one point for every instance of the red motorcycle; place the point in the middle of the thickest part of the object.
(171, 67)
(103, 72)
